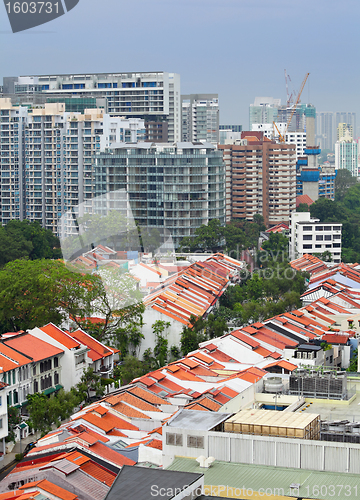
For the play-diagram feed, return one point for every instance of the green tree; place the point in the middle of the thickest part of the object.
(216, 326)
(161, 342)
(303, 207)
(353, 367)
(130, 368)
(89, 386)
(343, 181)
(193, 335)
(42, 291)
(207, 237)
(119, 302)
(14, 419)
(45, 412)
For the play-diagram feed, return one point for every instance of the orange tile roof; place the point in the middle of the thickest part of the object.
(101, 410)
(196, 406)
(157, 430)
(100, 473)
(116, 433)
(183, 374)
(10, 359)
(208, 403)
(97, 350)
(111, 455)
(51, 488)
(332, 338)
(55, 333)
(283, 364)
(139, 403)
(155, 443)
(128, 411)
(82, 429)
(33, 347)
(76, 457)
(108, 422)
(303, 198)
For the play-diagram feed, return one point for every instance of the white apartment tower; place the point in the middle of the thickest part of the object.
(200, 118)
(47, 158)
(151, 96)
(309, 235)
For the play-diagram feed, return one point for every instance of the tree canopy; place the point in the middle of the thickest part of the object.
(236, 236)
(24, 239)
(33, 293)
(347, 212)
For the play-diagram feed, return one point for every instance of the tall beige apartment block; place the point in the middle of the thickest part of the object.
(260, 178)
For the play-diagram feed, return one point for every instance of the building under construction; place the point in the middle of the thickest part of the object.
(316, 384)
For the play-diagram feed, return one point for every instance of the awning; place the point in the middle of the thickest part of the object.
(48, 391)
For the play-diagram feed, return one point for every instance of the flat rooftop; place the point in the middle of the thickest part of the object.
(330, 409)
(197, 419)
(231, 476)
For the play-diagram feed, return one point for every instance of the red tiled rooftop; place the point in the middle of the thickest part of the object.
(100, 473)
(97, 350)
(107, 422)
(33, 347)
(111, 455)
(57, 334)
(148, 396)
(128, 411)
(51, 488)
(332, 338)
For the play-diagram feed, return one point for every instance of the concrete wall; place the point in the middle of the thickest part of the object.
(272, 451)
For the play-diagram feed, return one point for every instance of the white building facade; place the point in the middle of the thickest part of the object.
(311, 236)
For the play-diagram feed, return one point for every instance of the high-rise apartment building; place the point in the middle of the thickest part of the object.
(326, 127)
(154, 97)
(260, 178)
(46, 161)
(176, 187)
(264, 110)
(344, 132)
(298, 139)
(229, 133)
(346, 156)
(200, 118)
(345, 117)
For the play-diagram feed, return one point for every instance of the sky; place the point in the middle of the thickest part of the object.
(235, 48)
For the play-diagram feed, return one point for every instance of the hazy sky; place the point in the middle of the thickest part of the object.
(236, 48)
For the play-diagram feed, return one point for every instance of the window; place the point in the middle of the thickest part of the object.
(307, 247)
(307, 228)
(319, 237)
(1, 423)
(336, 228)
(319, 228)
(195, 441)
(327, 237)
(56, 362)
(307, 237)
(174, 439)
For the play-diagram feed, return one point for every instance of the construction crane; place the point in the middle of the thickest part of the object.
(289, 96)
(283, 136)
